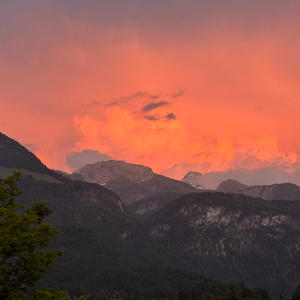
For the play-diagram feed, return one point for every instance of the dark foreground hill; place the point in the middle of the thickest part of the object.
(106, 249)
(13, 154)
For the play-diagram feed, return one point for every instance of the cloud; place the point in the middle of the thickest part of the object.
(123, 135)
(91, 104)
(152, 118)
(222, 155)
(157, 117)
(153, 105)
(77, 160)
(149, 51)
(170, 116)
(177, 95)
(125, 99)
(179, 170)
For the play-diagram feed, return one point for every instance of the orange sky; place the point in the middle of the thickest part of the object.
(223, 85)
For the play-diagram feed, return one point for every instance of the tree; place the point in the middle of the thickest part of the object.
(296, 293)
(24, 239)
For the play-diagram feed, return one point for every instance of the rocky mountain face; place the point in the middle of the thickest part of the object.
(131, 182)
(284, 191)
(233, 237)
(104, 171)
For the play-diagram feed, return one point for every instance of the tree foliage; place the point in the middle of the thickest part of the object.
(24, 239)
(296, 293)
(225, 292)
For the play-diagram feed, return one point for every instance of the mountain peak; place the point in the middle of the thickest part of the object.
(231, 186)
(192, 178)
(132, 182)
(104, 171)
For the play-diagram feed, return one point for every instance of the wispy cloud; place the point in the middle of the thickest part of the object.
(153, 105)
(91, 104)
(176, 95)
(125, 99)
(151, 118)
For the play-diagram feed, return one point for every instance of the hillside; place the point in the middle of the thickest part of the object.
(233, 237)
(145, 207)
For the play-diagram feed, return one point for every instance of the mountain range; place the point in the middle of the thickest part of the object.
(165, 239)
(263, 176)
(131, 182)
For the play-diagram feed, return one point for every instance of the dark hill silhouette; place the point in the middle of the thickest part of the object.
(14, 155)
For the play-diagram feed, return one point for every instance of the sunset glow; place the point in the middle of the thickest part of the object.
(206, 84)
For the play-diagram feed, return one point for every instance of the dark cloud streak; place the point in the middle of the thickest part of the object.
(153, 105)
(177, 95)
(125, 99)
(152, 118)
(170, 116)
(91, 104)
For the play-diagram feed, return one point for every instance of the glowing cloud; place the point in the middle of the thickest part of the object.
(203, 86)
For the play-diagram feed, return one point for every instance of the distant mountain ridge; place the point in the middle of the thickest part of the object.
(283, 191)
(131, 182)
(263, 176)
